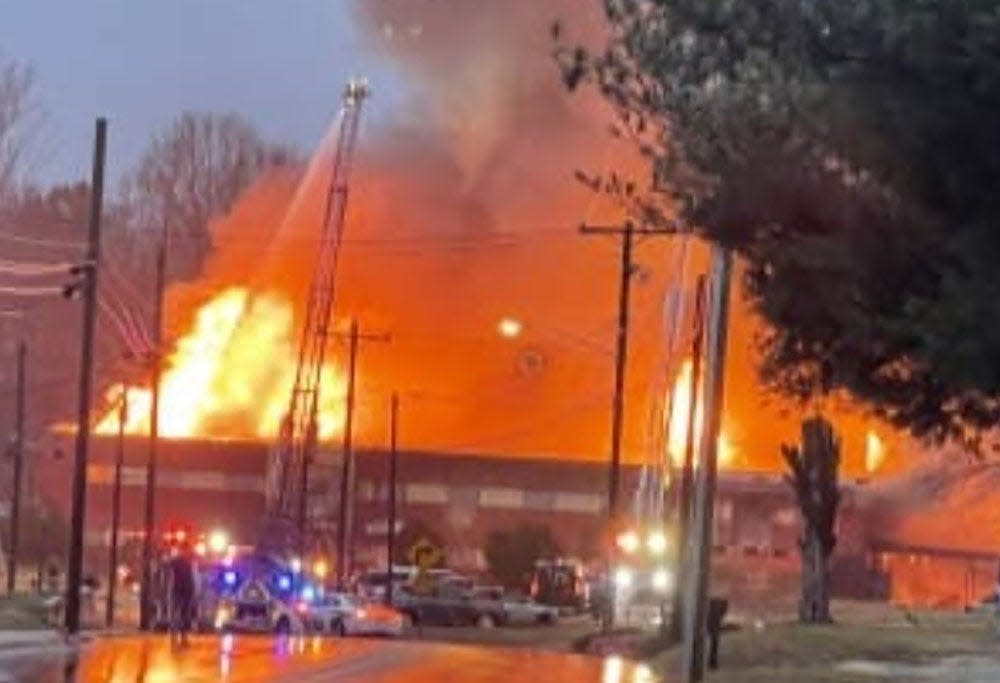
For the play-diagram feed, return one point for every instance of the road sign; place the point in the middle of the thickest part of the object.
(425, 555)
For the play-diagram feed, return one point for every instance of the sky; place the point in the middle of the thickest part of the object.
(281, 64)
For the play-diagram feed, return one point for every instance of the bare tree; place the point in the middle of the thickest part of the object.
(20, 120)
(193, 173)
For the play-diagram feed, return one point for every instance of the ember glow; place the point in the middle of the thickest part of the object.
(230, 375)
(874, 452)
(678, 428)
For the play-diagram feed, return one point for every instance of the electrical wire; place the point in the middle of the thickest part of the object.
(20, 269)
(30, 291)
(125, 333)
(42, 242)
(132, 321)
(110, 262)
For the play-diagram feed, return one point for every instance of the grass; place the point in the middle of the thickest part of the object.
(23, 613)
(785, 652)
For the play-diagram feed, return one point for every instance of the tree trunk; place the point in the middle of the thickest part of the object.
(814, 479)
(814, 606)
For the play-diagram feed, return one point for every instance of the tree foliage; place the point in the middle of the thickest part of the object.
(850, 152)
(511, 555)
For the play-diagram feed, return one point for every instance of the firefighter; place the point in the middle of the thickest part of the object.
(182, 593)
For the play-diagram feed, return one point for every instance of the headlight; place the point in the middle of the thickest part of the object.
(623, 577)
(662, 580)
(628, 541)
(657, 543)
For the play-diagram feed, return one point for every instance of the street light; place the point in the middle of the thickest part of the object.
(218, 541)
(510, 328)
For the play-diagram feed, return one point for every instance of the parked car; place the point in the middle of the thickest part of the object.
(346, 615)
(444, 607)
(521, 609)
(513, 609)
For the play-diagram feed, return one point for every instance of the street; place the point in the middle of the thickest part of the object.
(240, 658)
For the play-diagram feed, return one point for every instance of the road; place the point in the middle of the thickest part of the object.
(240, 659)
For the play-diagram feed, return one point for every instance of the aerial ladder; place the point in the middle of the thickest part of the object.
(287, 526)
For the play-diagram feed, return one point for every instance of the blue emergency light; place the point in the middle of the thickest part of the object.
(308, 593)
(284, 582)
(229, 577)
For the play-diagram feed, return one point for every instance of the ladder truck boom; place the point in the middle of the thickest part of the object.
(294, 452)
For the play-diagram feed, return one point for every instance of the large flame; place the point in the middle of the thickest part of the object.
(678, 427)
(230, 375)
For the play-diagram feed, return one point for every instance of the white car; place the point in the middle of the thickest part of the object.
(346, 615)
(255, 610)
(524, 610)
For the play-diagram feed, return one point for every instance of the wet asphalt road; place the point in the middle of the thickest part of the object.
(309, 660)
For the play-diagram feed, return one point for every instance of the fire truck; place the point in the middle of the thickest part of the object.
(642, 575)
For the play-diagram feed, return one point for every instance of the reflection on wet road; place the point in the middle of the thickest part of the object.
(309, 660)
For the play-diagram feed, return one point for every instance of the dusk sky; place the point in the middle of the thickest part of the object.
(140, 63)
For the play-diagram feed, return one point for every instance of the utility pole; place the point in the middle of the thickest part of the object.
(149, 526)
(627, 270)
(390, 534)
(687, 468)
(74, 572)
(116, 511)
(700, 548)
(345, 526)
(18, 484)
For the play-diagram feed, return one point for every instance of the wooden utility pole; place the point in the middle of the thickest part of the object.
(74, 571)
(345, 526)
(116, 511)
(390, 534)
(700, 543)
(687, 467)
(18, 483)
(627, 233)
(156, 366)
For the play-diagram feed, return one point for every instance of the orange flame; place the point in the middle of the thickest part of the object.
(678, 427)
(874, 452)
(230, 376)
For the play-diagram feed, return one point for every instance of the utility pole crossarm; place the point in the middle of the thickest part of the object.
(626, 227)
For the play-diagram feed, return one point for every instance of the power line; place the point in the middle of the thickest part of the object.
(41, 242)
(125, 332)
(30, 291)
(110, 261)
(18, 268)
(125, 311)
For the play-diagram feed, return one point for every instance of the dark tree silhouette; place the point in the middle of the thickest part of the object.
(511, 554)
(813, 477)
(848, 150)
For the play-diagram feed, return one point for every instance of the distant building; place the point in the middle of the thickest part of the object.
(220, 484)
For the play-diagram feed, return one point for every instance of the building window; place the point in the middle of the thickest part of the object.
(510, 499)
(539, 500)
(426, 494)
(578, 502)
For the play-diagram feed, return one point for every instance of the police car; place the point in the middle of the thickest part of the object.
(254, 609)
